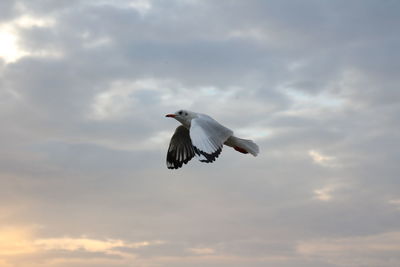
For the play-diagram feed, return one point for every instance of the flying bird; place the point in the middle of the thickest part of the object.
(202, 136)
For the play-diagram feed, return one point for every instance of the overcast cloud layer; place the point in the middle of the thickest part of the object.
(85, 85)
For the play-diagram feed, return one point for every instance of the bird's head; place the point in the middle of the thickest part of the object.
(183, 116)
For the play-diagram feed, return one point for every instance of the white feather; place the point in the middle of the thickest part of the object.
(207, 134)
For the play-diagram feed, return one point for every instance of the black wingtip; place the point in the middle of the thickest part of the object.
(209, 157)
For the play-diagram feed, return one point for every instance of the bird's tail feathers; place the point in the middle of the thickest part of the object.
(246, 146)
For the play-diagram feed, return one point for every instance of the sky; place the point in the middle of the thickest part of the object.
(85, 86)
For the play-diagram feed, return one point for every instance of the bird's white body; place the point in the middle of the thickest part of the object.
(202, 136)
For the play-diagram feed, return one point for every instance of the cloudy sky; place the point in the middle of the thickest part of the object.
(85, 85)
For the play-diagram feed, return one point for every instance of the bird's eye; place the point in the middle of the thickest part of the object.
(186, 114)
(180, 112)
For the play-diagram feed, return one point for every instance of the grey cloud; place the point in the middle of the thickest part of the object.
(7, 10)
(313, 75)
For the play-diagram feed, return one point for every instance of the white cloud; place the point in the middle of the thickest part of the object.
(324, 160)
(88, 244)
(142, 6)
(117, 101)
(310, 105)
(22, 241)
(326, 193)
(323, 194)
(254, 132)
(29, 21)
(10, 49)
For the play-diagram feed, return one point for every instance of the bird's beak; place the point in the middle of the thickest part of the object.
(170, 115)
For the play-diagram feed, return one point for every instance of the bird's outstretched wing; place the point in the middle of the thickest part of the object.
(180, 149)
(208, 137)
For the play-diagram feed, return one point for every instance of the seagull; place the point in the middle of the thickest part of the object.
(202, 136)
